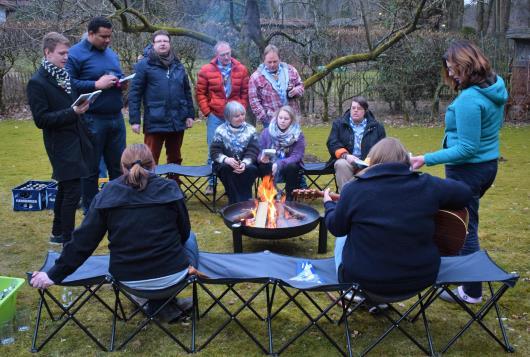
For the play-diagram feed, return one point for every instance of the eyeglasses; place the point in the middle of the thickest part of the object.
(227, 54)
(162, 41)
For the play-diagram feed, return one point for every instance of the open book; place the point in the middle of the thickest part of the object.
(128, 78)
(91, 97)
(361, 163)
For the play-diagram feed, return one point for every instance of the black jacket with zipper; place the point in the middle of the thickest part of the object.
(341, 136)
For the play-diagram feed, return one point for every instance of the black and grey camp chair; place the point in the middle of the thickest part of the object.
(88, 279)
(313, 171)
(193, 181)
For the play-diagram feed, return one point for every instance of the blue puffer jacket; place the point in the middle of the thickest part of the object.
(165, 94)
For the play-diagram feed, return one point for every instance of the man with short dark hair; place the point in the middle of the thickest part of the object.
(161, 84)
(92, 65)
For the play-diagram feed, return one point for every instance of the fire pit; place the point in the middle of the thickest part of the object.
(269, 218)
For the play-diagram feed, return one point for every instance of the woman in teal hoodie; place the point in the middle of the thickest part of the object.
(470, 147)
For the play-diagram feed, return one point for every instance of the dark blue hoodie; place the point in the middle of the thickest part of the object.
(388, 214)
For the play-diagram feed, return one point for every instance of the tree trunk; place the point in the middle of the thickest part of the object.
(488, 15)
(435, 108)
(480, 16)
(455, 14)
(250, 32)
(2, 104)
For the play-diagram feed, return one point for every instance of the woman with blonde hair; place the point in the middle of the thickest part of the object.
(470, 147)
(150, 241)
(384, 222)
(285, 137)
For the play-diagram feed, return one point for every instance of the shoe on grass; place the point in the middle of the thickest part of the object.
(56, 239)
(357, 298)
(185, 304)
(209, 191)
(461, 295)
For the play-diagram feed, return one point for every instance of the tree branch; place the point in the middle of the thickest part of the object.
(232, 20)
(146, 26)
(370, 55)
(283, 34)
(366, 25)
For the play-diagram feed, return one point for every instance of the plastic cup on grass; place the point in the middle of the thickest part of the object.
(7, 333)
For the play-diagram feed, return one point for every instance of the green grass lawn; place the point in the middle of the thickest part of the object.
(503, 231)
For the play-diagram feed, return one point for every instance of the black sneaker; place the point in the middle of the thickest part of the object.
(56, 239)
(185, 304)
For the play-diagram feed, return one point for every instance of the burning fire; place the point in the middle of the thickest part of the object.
(268, 209)
(267, 193)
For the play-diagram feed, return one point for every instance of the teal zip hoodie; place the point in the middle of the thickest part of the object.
(472, 124)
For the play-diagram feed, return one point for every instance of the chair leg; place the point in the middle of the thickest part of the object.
(34, 348)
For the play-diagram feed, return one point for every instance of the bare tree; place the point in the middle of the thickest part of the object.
(134, 21)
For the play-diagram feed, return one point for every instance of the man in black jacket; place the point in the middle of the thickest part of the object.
(351, 138)
(162, 85)
(50, 95)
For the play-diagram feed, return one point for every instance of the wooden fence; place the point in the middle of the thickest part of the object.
(14, 89)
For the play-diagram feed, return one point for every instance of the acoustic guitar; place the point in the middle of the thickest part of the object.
(450, 225)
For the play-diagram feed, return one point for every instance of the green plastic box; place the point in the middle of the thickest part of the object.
(8, 304)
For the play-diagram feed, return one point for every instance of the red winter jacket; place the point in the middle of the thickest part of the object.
(210, 91)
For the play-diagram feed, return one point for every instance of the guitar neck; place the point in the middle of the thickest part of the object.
(311, 193)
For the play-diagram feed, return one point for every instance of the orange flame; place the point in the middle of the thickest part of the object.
(267, 193)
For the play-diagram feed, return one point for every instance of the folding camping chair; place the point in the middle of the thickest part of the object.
(477, 267)
(275, 273)
(419, 306)
(166, 296)
(90, 277)
(193, 180)
(314, 170)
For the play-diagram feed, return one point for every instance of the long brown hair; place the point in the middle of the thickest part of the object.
(470, 64)
(136, 161)
(388, 150)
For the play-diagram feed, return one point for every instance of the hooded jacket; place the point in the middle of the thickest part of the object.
(388, 214)
(472, 124)
(165, 94)
(146, 231)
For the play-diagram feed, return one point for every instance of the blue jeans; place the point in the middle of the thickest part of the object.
(109, 142)
(102, 168)
(212, 123)
(339, 247)
(192, 250)
(479, 177)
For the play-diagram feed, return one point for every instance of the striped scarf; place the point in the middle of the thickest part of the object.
(59, 74)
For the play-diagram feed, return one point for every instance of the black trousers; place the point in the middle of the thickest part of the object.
(290, 173)
(237, 186)
(66, 201)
